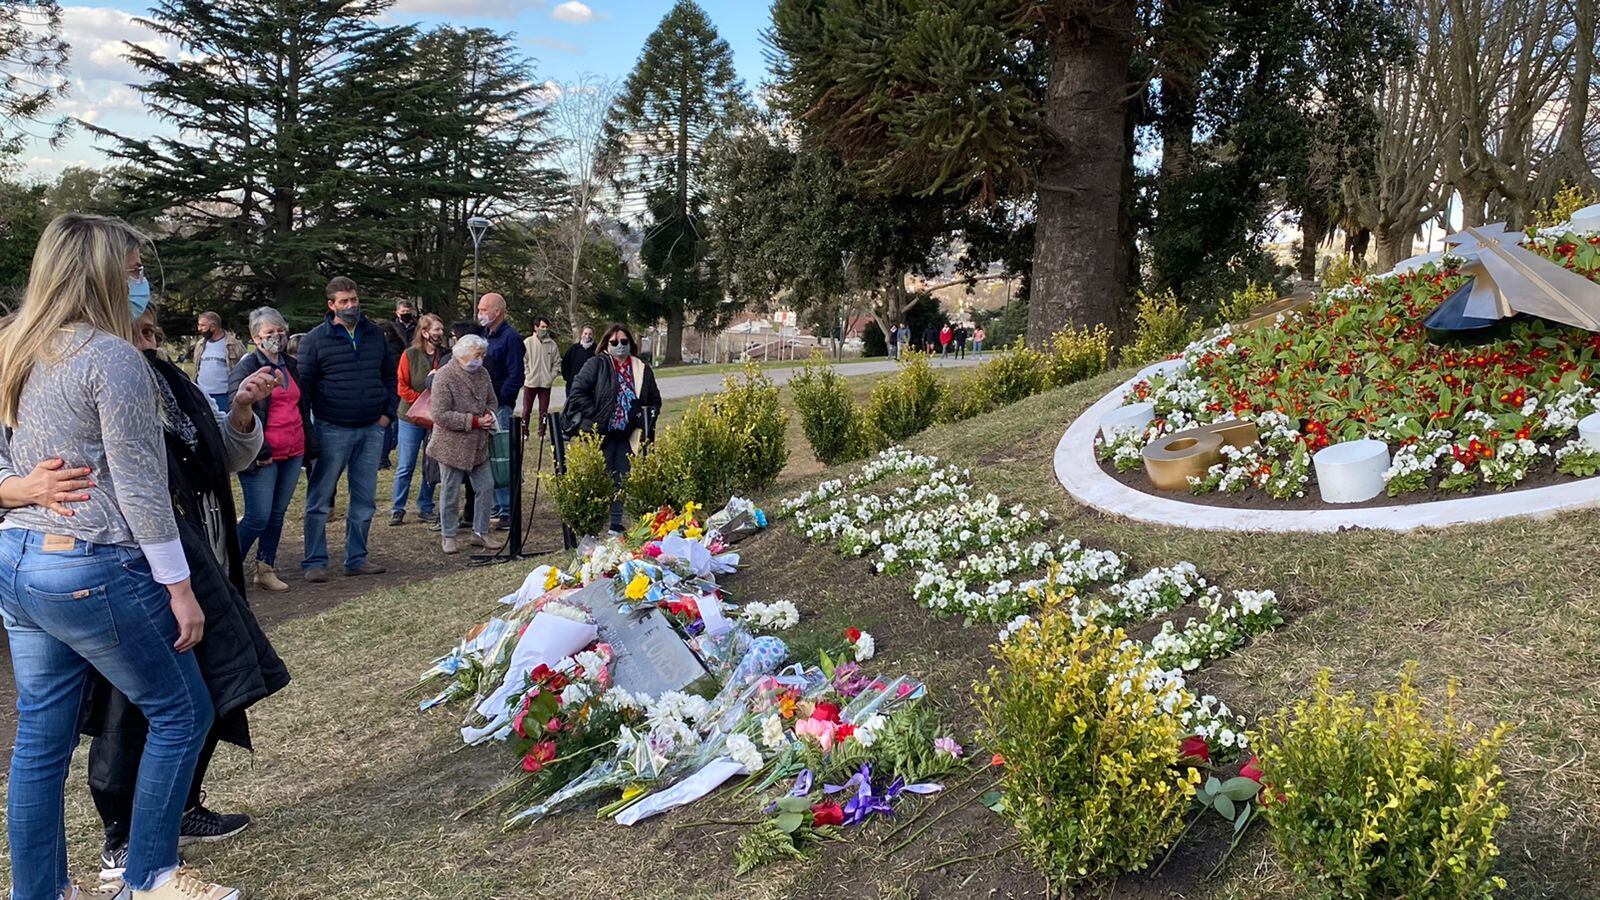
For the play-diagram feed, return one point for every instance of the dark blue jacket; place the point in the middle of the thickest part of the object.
(350, 379)
(504, 362)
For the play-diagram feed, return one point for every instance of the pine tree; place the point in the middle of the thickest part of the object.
(247, 191)
(33, 57)
(680, 100)
(459, 133)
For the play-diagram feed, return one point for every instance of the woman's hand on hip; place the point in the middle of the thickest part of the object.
(186, 609)
(51, 485)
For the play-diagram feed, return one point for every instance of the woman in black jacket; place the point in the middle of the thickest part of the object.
(238, 662)
(269, 482)
(615, 396)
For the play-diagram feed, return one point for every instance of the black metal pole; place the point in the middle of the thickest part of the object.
(558, 459)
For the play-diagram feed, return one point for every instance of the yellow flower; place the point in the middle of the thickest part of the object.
(692, 532)
(689, 509)
(553, 579)
(638, 587)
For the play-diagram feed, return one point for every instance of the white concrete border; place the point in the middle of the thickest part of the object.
(1080, 473)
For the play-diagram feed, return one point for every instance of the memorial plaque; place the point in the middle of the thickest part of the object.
(651, 658)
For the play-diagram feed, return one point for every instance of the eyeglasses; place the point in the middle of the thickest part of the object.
(136, 272)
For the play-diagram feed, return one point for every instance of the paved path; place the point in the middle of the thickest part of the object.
(693, 385)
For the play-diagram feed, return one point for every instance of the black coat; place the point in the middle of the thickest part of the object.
(237, 660)
(592, 398)
(572, 362)
(253, 362)
(351, 382)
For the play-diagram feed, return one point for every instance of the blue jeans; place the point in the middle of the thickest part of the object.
(221, 400)
(502, 496)
(411, 438)
(67, 610)
(358, 451)
(267, 493)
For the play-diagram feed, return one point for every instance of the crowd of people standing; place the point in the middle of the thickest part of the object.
(124, 565)
(944, 340)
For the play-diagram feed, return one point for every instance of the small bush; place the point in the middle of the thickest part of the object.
(749, 402)
(1015, 373)
(833, 424)
(1341, 271)
(909, 402)
(1560, 206)
(1161, 330)
(1382, 803)
(1240, 304)
(1092, 775)
(584, 494)
(1076, 355)
(699, 459)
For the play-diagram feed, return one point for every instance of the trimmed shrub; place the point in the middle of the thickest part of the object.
(1076, 355)
(1341, 271)
(1015, 373)
(1560, 206)
(1161, 329)
(697, 459)
(1089, 735)
(749, 402)
(584, 494)
(909, 402)
(833, 424)
(1382, 802)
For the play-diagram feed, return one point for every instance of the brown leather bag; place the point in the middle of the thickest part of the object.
(421, 412)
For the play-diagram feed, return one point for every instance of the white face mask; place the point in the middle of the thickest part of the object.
(587, 341)
(484, 319)
(473, 365)
(272, 344)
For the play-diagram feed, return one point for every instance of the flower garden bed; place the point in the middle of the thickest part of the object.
(1458, 420)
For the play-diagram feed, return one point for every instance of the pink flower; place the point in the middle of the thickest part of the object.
(948, 745)
(821, 729)
(652, 550)
(904, 689)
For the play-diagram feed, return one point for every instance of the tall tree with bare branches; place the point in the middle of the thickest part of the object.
(576, 118)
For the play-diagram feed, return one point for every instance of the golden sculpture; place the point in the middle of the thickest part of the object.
(1172, 459)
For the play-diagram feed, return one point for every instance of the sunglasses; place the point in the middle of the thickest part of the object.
(621, 342)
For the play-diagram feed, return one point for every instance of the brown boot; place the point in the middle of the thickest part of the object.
(268, 580)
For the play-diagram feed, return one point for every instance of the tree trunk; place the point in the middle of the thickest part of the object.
(672, 353)
(1313, 228)
(1075, 253)
(575, 273)
(1474, 204)
(1355, 243)
(1571, 163)
(1394, 243)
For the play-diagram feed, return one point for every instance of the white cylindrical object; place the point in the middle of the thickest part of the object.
(1352, 471)
(1133, 417)
(1586, 219)
(1589, 429)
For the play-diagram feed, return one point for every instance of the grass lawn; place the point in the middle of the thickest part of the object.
(354, 791)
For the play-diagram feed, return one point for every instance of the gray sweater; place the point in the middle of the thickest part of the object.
(96, 407)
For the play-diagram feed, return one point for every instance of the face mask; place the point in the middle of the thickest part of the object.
(543, 331)
(349, 315)
(138, 296)
(407, 318)
(587, 341)
(618, 350)
(271, 344)
(485, 320)
(473, 365)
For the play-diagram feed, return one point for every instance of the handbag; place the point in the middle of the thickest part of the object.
(421, 412)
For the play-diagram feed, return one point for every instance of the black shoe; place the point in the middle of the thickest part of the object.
(502, 523)
(398, 517)
(113, 861)
(318, 575)
(428, 518)
(434, 527)
(366, 568)
(202, 826)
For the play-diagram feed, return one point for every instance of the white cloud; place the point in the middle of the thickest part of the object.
(96, 35)
(574, 12)
(463, 9)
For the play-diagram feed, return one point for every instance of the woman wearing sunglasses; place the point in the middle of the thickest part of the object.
(612, 396)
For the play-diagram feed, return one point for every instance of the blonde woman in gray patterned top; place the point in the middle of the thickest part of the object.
(107, 587)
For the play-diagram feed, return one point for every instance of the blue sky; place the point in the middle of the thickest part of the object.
(567, 38)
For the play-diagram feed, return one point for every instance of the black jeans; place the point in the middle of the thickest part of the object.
(618, 454)
(121, 763)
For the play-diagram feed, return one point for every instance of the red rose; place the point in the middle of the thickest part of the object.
(843, 731)
(852, 634)
(997, 760)
(827, 813)
(554, 725)
(1252, 770)
(1194, 748)
(827, 712)
(541, 754)
(517, 721)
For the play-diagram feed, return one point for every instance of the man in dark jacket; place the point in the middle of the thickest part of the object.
(349, 370)
(504, 363)
(579, 353)
(399, 331)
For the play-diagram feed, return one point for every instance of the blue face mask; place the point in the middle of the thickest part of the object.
(138, 295)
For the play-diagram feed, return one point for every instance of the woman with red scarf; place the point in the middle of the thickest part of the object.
(612, 396)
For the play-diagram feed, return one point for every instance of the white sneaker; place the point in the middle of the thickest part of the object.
(451, 547)
(186, 884)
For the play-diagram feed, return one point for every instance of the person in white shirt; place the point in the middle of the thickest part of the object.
(214, 357)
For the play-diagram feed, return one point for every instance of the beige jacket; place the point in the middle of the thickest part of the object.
(542, 363)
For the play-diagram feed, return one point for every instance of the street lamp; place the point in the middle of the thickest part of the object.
(476, 226)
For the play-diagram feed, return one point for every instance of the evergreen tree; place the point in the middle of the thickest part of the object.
(33, 59)
(680, 100)
(247, 191)
(458, 132)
